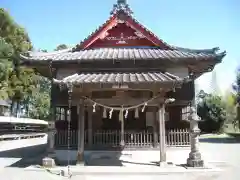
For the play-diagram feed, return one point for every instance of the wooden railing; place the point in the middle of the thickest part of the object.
(178, 137)
(131, 138)
(174, 137)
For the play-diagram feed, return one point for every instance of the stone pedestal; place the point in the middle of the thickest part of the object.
(194, 159)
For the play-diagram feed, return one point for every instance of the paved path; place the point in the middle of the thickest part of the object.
(224, 155)
(19, 174)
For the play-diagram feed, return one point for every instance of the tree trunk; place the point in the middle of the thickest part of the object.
(18, 107)
(238, 116)
(12, 108)
(27, 106)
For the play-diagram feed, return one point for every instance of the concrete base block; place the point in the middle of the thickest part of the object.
(195, 159)
(163, 164)
(195, 162)
(66, 173)
(80, 164)
(48, 162)
(80, 159)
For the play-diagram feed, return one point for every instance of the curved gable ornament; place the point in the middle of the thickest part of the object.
(121, 6)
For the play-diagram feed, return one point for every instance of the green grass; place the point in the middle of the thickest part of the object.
(214, 136)
(234, 134)
(229, 128)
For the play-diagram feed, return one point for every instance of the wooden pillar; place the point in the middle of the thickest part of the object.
(122, 142)
(155, 133)
(81, 118)
(90, 137)
(69, 118)
(164, 133)
(162, 145)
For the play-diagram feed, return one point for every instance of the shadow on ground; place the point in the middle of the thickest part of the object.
(28, 155)
(224, 140)
(110, 159)
(108, 162)
(96, 159)
(107, 159)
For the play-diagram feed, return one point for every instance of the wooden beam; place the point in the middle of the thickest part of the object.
(90, 114)
(155, 133)
(161, 116)
(81, 120)
(166, 86)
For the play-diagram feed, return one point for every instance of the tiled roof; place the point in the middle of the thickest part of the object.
(113, 78)
(121, 54)
(208, 51)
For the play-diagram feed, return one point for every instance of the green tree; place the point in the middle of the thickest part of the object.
(21, 81)
(22, 85)
(6, 68)
(61, 47)
(236, 87)
(6, 50)
(39, 103)
(212, 111)
(230, 103)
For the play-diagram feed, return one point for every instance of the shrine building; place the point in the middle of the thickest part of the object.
(123, 87)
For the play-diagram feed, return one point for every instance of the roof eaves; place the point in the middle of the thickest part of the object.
(25, 60)
(6, 103)
(205, 51)
(32, 53)
(221, 55)
(111, 78)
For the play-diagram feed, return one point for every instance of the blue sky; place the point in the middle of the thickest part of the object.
(185, 23)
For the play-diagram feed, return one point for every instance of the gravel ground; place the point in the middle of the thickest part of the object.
(221, 153)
